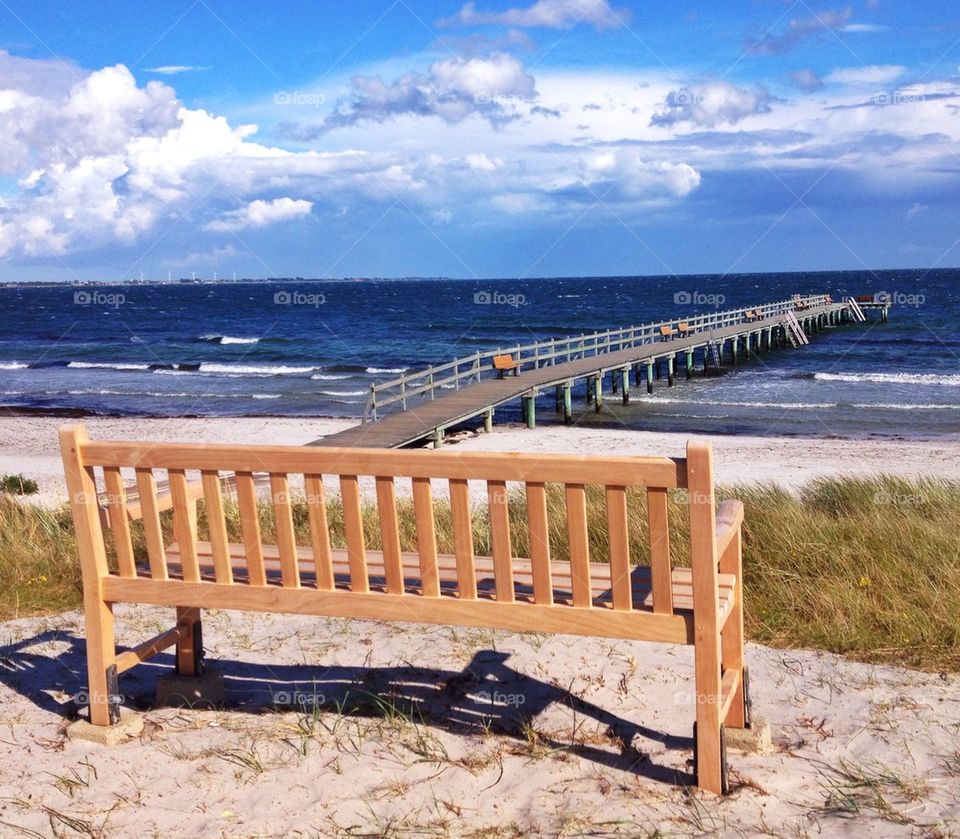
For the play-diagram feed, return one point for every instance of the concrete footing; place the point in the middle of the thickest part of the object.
(204, 691)
(753, 740)
(129, 727)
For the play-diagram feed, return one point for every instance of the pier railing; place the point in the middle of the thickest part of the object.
(424, 384)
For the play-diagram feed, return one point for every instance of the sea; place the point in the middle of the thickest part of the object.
(303, 348)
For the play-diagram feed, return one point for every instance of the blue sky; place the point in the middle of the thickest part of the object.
(528, 138)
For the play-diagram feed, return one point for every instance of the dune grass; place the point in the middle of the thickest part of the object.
(868, 567)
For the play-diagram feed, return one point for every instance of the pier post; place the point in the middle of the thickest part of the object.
(670, 359)
(734, 346)
(706, 358)
(437, 437)
(597, 393)
(590, 389)
(636, 375)
(488, 421)
(656, 368)
(625, 384)
(613, 381)
(649, 377)
(567, 402)
(558, 398)
(529, 405)
(689, 363)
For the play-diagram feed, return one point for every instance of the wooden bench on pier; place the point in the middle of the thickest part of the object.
(189, 568)
(667, 332)
(683, 329)
(503, 363)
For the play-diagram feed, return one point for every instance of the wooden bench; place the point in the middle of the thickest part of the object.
(667, 332)
(751, 314)
(502, 363)
(581, 594)
(683, 328)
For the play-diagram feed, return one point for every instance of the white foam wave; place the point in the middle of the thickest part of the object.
(12, 365)
(228, 339)
(103, 365)
(343, 392)
(329, 377)
(946, 380)
(386, 369)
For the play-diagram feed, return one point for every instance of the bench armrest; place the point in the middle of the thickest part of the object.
(729, 519)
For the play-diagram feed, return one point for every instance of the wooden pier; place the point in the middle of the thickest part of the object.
(424, 404)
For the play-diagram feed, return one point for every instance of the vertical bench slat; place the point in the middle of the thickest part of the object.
(119, 521)
(537, 528)
(390, 534)
(463, 539)
(184, 525)
(250, 527)
(153, 534)
(319, 531)
(286, 537)
(500, 536)
(619, 548)
(577, 533)
(217, 527)
(426, 536)
(660, 571)
(353, 525)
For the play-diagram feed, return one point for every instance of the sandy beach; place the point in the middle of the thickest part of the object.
(471, 733)
(28, 445)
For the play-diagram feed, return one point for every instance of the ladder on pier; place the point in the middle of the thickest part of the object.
(795, 334)
(715, 358)
(855, 311)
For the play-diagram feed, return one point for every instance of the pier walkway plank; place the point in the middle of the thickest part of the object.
(421, 419)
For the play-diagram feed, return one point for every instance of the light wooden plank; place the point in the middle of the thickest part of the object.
(353, 524)
(517, 617)
(217, 526)
(184, 524)
(319, 530)
(390, 534)
(524, 468)
(119, 521)
(539, 536)
(153, 534)
(426, 536)
(148, 649)
(500, 537)
(286, 537)
(577, 533)
(619, 541)
(659, 532)
(463, 539)
(250, 528)
(703, 562)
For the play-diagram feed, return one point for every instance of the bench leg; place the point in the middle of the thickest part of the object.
(103, 696)
(190, 649)
(709, 733)
(731, 643)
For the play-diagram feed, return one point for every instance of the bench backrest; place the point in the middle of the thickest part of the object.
(666, 330)
(683, 326)
(503, 362)
(336, 482)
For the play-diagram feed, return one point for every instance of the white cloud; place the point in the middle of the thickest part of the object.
(806, 80)
(857, 28)
(481, 163)
(176, 69)
(453, 89)
(261, 213)
(712, 103)
(628, 175)
(549, 14)
(870, 75)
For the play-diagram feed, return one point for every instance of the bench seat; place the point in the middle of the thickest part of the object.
(447, 567)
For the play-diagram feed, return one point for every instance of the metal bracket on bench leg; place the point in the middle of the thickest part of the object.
(113, 693)
(747, 701)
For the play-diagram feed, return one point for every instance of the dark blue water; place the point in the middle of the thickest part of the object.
(313, 348)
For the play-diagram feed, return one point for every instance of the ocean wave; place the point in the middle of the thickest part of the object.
(663, 400)
(328, 377)
(342, 392)
(237, 370)
(386, 370)
(228, 339)
(105, 365)
(889, 406)
(12, 365)
(946, 380)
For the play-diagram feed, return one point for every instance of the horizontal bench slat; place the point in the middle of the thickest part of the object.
(549, 468)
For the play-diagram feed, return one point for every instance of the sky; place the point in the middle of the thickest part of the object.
(494, 138)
